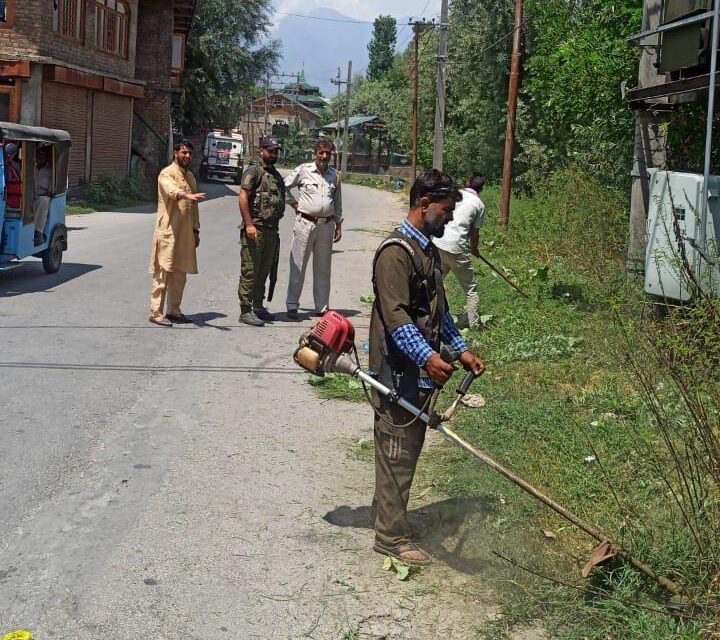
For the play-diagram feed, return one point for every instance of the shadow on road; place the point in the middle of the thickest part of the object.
(446, 528)
(203, 320)
(30, 278)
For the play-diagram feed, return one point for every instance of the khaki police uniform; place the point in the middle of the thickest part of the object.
(406, 292)
(266, 192)
(173, 249)
(319, 210)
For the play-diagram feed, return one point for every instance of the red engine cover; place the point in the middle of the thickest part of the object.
(335, 332)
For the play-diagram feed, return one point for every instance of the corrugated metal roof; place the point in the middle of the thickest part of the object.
(353, 121)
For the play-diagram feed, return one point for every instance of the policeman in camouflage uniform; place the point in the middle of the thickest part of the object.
(262, 204)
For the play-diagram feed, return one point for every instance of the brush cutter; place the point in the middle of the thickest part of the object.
(329, 347)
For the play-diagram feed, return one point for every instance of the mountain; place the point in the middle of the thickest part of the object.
(320, 46)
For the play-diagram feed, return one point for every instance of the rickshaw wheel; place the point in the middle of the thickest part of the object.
(52, 257)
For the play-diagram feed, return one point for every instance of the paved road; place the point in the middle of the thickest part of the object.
(187, 483)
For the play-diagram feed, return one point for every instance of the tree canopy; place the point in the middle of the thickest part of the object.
(227, 55)
(570, 110)
(382, 47)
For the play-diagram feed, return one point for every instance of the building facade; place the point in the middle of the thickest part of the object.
(298, 102)
(93, 68)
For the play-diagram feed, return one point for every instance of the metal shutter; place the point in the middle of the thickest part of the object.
(110, 135)
(66, 107)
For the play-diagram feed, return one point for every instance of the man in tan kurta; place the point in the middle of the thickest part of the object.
(176, 237)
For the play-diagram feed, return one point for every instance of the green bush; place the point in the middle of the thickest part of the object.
(110, 191)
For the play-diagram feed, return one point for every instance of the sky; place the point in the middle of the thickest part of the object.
(320, 46)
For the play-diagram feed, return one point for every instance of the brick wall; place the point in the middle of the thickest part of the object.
(32, 34)
(153, 65)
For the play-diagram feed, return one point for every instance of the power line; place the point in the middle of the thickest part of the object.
(407, 24)
(302, 15)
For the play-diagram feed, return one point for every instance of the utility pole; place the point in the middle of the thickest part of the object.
(649, 148)
(416, 71)
(347, 119)
(511, 115)
(267, 106)
(337, 81)
(442, 59)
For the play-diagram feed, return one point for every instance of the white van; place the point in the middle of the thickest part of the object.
(223, 156)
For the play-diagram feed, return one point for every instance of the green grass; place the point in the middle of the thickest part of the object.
(383, 183)
(565, 412)
(79, 209)
(335, 386)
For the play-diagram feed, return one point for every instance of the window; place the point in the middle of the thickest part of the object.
(4, 12)
(178, 53)
(68, 17)
(9, 104)
(112, 26)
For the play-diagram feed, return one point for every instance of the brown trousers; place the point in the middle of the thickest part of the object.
(167, 292)
(396, 454)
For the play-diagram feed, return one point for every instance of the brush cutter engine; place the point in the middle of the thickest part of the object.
(327, 346)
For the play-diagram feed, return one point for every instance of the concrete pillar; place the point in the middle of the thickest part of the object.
(31, 97)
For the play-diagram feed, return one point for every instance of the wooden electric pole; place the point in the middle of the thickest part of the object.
(442, 59)
(336, 81)
(649, 147)
(348, 95)
(267, 105)
(416, 81)
(511, 115)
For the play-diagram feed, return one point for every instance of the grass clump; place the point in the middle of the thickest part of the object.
(338, 387)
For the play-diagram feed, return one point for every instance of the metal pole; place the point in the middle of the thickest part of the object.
(709, 126)
(416, 29)
(511, 114)
(347, 118)
(442, 59)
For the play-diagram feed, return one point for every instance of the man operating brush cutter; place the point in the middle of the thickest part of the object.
(410, 322)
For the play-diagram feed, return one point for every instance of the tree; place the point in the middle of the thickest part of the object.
(382, 47)
(225, 60)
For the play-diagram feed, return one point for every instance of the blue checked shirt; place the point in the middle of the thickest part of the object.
(408, 337)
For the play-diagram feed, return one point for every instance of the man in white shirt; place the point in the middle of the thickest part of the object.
(460, 241)
(43, 191)
(318, 224)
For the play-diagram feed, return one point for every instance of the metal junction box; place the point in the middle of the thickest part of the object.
(673, 229)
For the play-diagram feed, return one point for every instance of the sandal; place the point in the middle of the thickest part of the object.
(397, 553)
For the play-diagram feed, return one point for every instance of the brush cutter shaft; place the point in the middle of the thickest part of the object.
(450, 435)
(453, 437)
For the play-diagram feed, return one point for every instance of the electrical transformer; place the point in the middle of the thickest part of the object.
(675, 255)
(685, 50)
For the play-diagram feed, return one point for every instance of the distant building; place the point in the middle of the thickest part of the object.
(368, 140)
(104, 70)
(298, 101)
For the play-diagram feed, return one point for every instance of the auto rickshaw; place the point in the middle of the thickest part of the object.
(33, 191)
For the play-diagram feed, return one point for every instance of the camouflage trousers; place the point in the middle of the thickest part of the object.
(256, 262)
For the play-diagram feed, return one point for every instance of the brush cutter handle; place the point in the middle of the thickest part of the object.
(465, 384)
